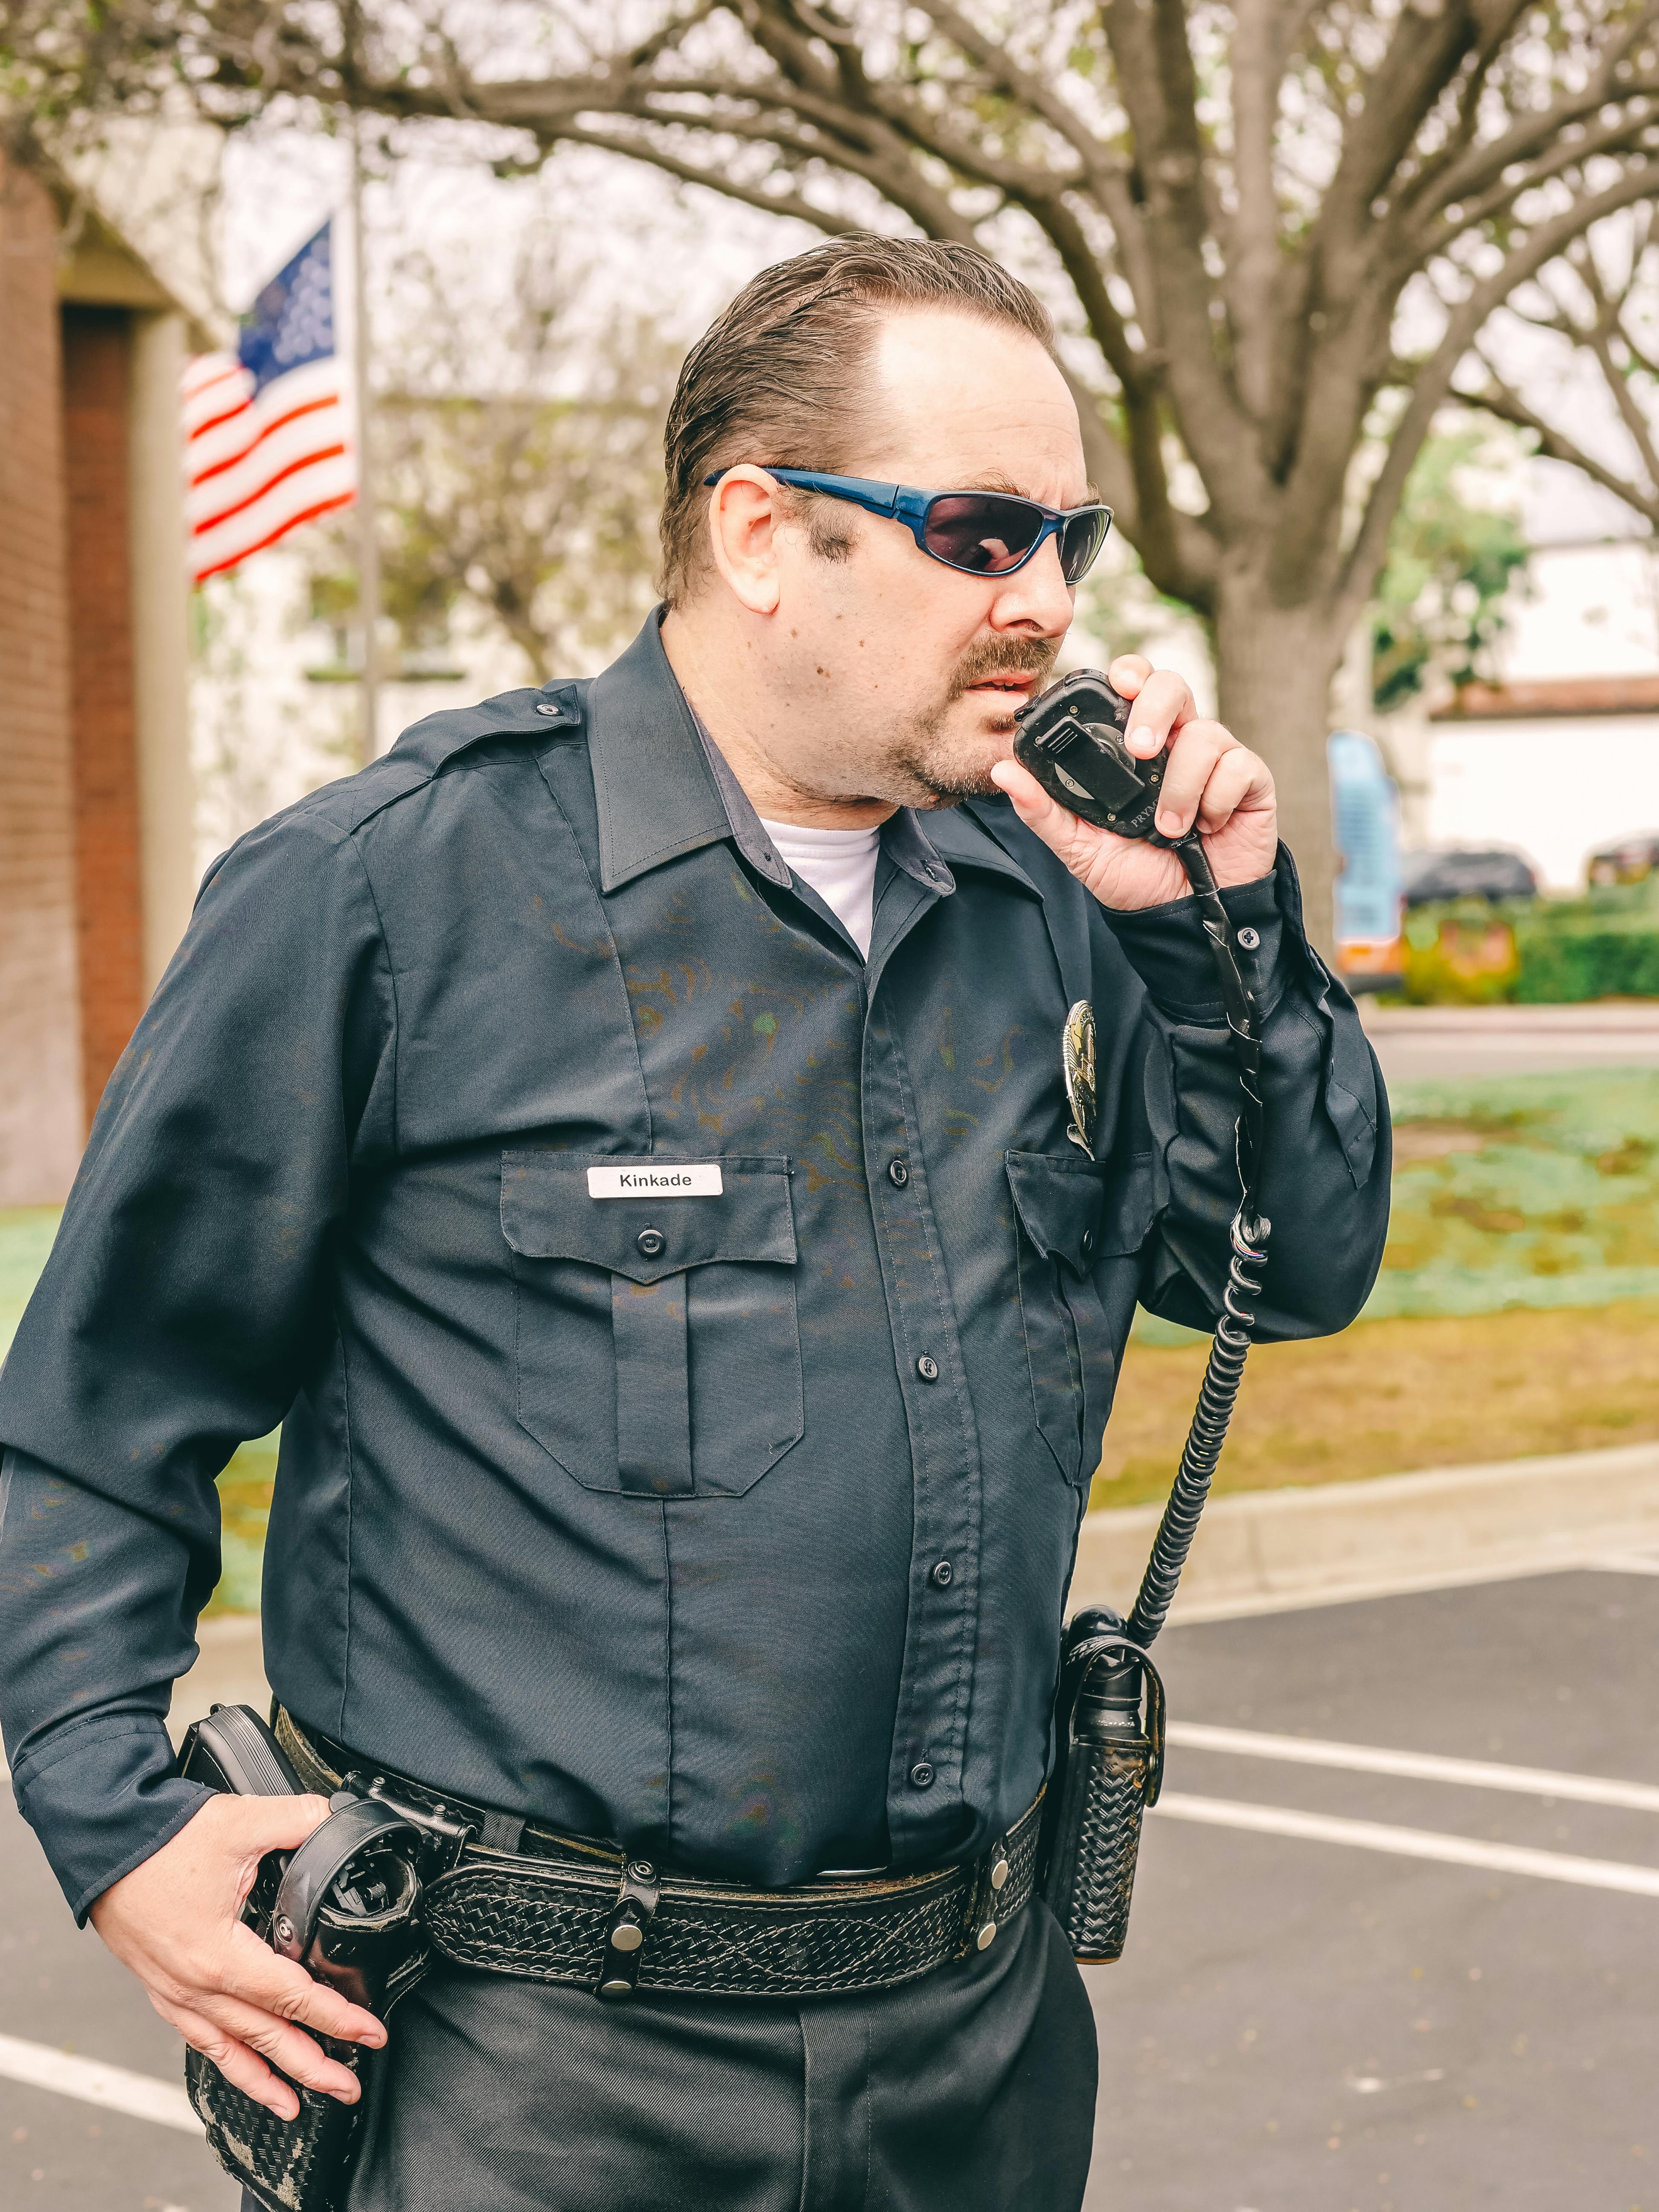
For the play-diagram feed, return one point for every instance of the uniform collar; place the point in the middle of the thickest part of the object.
(980, 834)
(662, 786)
(656, 795)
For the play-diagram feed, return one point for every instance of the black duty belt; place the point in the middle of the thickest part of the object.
(517, 1898)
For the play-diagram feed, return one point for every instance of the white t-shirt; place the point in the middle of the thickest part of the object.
(841, 866)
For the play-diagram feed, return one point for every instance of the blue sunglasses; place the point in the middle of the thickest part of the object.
(984, 533)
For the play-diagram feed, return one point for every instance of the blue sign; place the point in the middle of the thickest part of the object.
(1365, 810)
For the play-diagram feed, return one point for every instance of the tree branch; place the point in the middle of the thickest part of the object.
(1599, 340)
(1434, 383)
(1449, 183)
(1177, 565)
(1438, 230)
(1497, 399)
(1254, 265)
(1422, 58)
(690, 172)
(1008, 77)
(1156, 81)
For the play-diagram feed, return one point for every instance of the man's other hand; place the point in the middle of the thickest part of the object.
(175, 1921)
(1208, 775)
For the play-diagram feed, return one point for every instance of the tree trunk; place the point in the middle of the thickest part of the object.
(1275, 666)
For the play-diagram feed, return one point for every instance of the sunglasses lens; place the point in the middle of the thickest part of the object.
(1081, 540)
(980, 531)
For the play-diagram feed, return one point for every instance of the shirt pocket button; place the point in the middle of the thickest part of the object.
(652, 1243)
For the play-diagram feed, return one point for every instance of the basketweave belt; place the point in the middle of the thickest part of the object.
(521, 1899)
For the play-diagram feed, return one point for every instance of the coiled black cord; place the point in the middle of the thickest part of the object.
(1223, 1373)
(1225, 1369)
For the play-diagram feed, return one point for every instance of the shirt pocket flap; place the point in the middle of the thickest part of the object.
(547, 1214)
(1059, 1202)
(1130, 1206)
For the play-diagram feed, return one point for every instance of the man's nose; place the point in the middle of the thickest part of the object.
(1035, 597)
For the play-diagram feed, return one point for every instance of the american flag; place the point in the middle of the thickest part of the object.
(267, 437)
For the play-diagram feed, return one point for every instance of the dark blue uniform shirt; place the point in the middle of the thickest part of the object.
(735, 1525)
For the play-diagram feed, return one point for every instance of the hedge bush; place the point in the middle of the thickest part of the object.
(1535, 952)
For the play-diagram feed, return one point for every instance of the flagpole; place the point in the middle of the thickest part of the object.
(369, 554)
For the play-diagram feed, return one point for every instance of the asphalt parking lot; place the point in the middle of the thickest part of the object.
(1303, 2025)
(1318, 2012)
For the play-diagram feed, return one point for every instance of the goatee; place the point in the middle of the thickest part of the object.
(929, 756)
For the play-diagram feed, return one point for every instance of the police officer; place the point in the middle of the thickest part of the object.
(621, 1136)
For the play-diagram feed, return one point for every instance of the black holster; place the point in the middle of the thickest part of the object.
(345, 1906)
(1108, 1766)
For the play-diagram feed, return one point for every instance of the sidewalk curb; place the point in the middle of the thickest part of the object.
(1338, 1539)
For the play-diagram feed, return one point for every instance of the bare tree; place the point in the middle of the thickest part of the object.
(1280, 227)
(522, 476)
(1597, 301)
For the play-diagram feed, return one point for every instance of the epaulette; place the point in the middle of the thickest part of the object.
(436, 739)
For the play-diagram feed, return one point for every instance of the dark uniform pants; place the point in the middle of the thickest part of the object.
(971, 2090)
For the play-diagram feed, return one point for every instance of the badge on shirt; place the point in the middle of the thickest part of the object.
(656, 1179)
(1076, 1055)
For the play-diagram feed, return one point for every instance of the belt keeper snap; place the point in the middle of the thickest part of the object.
(993, 1875)
(625, 1931)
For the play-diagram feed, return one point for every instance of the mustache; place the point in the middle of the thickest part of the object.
(989, 657)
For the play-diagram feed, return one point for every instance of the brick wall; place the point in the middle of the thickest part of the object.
(97, 344)
(41, 1113)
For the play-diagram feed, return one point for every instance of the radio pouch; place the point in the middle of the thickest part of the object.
(1108, 1766)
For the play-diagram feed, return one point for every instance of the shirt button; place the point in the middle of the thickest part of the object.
(652, 1243)
(1249, 939)
(943, 1575)
(921, 1774)
(898, 1172)
(928, 1368)
(1088, 1242)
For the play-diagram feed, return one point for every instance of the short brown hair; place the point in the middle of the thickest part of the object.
(774, 379)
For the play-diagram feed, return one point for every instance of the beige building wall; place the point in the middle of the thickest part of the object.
(167, 791)
(41, 1128)
(96, 801)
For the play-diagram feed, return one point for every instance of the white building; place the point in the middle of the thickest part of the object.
(1560, 754)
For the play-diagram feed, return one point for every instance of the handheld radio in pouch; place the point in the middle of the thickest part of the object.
(1108, 1702)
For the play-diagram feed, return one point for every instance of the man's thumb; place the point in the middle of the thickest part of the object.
(278, 1824)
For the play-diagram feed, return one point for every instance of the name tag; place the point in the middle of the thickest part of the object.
(644, 1179)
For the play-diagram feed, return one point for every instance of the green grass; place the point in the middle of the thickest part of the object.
(26, 1234)
(1515, 1192)
(1443, 1390)
(245, 1509)
(1523, 1191)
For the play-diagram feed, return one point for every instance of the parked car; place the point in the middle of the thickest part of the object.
(1632, 860)
(1494, 874)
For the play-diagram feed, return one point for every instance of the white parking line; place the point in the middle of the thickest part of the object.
(1410, 1843)
(141, 2095)
(1417, 1765)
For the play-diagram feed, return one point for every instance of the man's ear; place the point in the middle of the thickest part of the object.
(745, 518)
